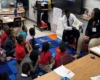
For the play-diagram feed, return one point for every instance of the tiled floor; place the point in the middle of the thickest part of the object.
(29, 24)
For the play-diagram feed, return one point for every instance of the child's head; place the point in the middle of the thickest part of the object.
(5, 28)
(32, 31)
(10, 33)
(21, 40)
(24, 28)
(34, 56)
(26, 68)
(45, 47)
(62, 47)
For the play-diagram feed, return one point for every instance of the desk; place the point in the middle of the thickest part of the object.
(12, 17)
(10, 12)
(83, 68)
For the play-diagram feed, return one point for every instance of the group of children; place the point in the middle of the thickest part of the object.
(24, 49)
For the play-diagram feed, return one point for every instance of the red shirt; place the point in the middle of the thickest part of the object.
(58, 57)
(45, 58)
(3, 38)
(20, 52)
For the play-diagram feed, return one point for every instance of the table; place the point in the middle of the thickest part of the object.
(12, 17)
(11, 12)
(84, 68)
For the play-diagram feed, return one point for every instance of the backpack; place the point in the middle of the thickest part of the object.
(2, 55)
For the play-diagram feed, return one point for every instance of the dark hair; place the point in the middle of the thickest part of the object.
(20, 39)
(9, 31)
(67, 11)
(45, 47)
(62, 47)
(4, 76)
(23, 28)
(32, 31)
(96, 13)
(26, 68)
(34, 56)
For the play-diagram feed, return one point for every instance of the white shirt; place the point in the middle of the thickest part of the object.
(71, 19)
(23, 75)
(28, 37)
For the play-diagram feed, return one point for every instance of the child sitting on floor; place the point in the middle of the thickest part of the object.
(4, 35)
(25, 75)
(62, 52)
(24, 31)
(10, 43)
(32, 59)
(30, 38)
(46, 61)
(20, 49)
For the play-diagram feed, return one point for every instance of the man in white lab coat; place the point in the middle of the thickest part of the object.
(69, 30)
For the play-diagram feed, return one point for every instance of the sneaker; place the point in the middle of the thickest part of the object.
(76, 55)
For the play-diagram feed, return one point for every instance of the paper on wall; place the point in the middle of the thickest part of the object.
(64, 72)
(76, 24)
(60, 28)
(57, 13)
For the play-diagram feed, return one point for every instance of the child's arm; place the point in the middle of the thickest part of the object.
(30, 41)
(28, 47)
(52, 60)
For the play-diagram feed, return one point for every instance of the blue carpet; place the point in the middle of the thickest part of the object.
(11, 69)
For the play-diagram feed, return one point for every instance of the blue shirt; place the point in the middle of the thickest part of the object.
(23, 33)
(20, 77)
(9, 46)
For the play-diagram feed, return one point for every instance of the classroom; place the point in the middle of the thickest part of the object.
(49, 39)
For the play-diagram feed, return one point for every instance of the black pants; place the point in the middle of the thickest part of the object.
(49, 26)
(68, 33)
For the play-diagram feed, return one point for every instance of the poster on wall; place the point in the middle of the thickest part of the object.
(57, 13)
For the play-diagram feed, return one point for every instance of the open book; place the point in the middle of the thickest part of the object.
(96, 49)
(95, 78)
(76, 24)
(64, 72)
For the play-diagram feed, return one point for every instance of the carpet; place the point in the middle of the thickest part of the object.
(10, 66)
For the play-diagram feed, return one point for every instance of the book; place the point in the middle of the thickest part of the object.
(96, 49)
(76, 24)
(64, 72)
(95, 78)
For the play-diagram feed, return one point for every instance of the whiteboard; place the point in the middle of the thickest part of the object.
(91, 4)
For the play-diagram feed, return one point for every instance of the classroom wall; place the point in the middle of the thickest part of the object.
(90, 4)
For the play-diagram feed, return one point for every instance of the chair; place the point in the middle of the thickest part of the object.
(17, 25)
(1, 24)
(17, 22)
(66, 59)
